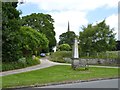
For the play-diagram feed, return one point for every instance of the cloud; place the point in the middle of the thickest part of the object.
(82, 5)
(113, 22)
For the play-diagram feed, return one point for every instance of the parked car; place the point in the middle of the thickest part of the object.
(42, 55)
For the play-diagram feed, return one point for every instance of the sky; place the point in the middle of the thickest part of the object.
(78, 12)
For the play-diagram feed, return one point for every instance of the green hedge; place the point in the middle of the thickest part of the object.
(60, 55)
(22, 63)
(101, 55)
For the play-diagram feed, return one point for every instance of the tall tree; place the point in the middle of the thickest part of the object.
(43, 23)
(10, 24)
(98, 38)
(67, 38)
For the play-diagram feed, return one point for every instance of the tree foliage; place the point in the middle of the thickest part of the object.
(31, 41)
(64, 47)
(18, 41)
(10, 25)
(42, 23)
(67, 38)
(97, 38)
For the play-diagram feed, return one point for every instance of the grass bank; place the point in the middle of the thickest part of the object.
(56, 74)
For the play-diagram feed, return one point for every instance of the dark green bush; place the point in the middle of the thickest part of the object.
(60, 55)
(22, 63)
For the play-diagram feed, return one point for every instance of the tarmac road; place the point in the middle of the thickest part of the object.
(110, 84)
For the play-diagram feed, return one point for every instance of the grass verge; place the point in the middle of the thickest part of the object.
(56, 74)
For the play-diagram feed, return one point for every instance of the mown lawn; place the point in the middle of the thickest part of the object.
(56, 74)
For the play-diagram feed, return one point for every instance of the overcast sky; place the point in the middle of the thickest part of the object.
(77, 12)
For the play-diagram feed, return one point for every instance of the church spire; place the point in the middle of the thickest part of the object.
(68, 27)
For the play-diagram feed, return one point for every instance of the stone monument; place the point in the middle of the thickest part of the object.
(76, 61)
(75, 49)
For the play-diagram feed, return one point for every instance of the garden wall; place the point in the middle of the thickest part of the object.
(95, 61)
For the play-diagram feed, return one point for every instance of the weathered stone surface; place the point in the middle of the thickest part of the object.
(94, 61)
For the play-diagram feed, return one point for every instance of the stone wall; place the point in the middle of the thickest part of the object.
(95, 61)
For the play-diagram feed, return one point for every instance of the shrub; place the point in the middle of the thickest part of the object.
(60, 55)
(31, 62)
(22, 60)
(64, 47)
(21, 63)
(36, 58)
(101, 55)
